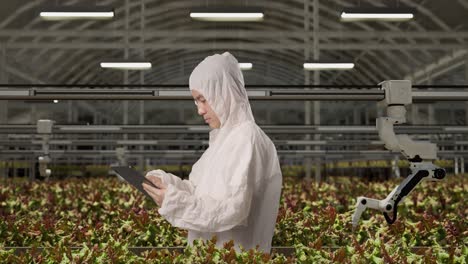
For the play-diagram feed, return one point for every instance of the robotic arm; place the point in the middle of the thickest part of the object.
(420, 154)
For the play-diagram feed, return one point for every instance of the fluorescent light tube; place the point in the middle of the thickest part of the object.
(77, 12)
(232, 14)
(317, 66)
(385, 14)
(245, 65)
(233, 17)
(76, 15)
(371, 16)
(127, 65)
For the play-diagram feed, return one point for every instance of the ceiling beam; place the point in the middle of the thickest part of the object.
(442, 65)
(93, 45)
(214, 33)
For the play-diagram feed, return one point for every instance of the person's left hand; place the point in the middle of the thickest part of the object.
(156, 193)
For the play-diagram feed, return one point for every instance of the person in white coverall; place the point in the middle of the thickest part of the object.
(233, 190)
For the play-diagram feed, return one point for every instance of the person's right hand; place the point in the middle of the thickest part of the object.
(156, 173)
(156, 193)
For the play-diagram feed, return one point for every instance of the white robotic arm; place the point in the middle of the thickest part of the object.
(420, 154)
(424, 171)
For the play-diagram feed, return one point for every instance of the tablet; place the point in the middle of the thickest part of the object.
(133, 177)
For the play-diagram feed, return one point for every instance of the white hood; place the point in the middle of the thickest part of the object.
(219, 79)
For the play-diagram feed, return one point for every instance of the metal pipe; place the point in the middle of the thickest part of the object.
(142, 143)
(339, 154)
(257, 94)
(190, 129)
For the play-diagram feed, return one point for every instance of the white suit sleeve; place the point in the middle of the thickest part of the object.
(203, 213)
(171, 179)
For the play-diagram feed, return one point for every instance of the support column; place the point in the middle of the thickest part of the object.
(453, 117)
(125, 73)
(32, 168)
(318, 162)
(70, 111)
(430, 109)
(120, 151)
(431, 114)
(70, 120)
(15, 169)
(97, 121)
(3, 79)
(3, 106)
(307, 104)
(181, 111)
(455, 166)
(33, 115)
(462, 165)
(141, 161)
(466, 81)
(367, 117)
(268, 116)
(356, 116)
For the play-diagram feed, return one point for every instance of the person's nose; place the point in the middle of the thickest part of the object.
(201, 110)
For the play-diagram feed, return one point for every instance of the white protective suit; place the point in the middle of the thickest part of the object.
(234, 189)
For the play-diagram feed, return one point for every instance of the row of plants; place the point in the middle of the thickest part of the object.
(105, 218)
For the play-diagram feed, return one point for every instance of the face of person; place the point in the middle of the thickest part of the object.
(204, 109)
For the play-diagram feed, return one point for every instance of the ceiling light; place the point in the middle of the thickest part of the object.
(227, 14)
(385, 14)
(245, 66)
(126, 65)
(74, 12)
(317, 66)
(56, 101)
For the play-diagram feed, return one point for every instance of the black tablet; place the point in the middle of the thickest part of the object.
(133, 177)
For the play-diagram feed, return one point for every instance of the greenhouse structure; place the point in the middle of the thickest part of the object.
(292, 131)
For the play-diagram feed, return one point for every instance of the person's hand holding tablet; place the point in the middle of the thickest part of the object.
(157, 191)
